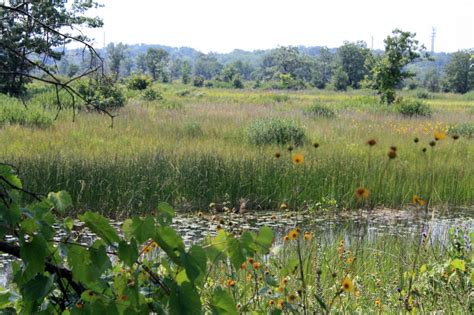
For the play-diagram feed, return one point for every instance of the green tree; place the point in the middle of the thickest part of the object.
(140, 63)
(340, 79)
(459, 73)
(389, 71)
(228, 73)
(116, 54)
(156, 61)
(352, 58)
(207, 66)
(431, 80)
(185, 72)
(31, 33)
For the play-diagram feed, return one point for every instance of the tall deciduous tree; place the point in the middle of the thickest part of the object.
(459, 73)
(116, 55)
(156, 61)
(31, 33)
(401, 48)
(351, 57)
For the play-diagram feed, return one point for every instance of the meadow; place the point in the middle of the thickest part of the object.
(193, 148)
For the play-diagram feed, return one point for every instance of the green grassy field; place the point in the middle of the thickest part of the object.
(192, 148)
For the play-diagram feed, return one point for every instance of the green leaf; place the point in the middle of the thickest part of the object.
(37, 288)
(235, 252)
(184, 299)
(142, 230)
(290, 267)
(170, 242)
(459, 264)
(195, 262)
(222, 303)
(100, 226)
(61, 200)
(128, 253)
(33, 255)
(264, 239)
(165, 213)
(5, 299)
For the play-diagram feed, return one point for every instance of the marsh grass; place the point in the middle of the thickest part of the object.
(197, 152)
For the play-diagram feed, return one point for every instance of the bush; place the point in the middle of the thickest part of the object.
(464, 130)
(275, 131)
(103, 93)
(183, 93)
(423, 95)
(198, 81)
(138, 82)
(13, 112)
(413, 108)
(209, 84)
(319, 110)
(151, 95)
(237, 83)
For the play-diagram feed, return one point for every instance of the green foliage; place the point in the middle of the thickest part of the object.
(413, 108)
(151, 94)
(340, 79)
(389, 70)
(352, 60)
(320, 110)
(13, 112)
(275, 131)
(463, 130)
(423, 95)
(138, 82)
(128, 284)
(198, 81)
(280, 98)
(24, 38)
(157, 64)
(104, 93)
(193, 130)
(459, 73)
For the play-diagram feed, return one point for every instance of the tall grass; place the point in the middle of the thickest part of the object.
(199, 153)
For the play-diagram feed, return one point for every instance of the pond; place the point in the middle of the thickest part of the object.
(329, 227)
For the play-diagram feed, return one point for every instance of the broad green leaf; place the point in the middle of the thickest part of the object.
(37, 288)
(264, 239)
(222, 303)
(165, 213)
(170, 242)
(33, 255)
(128, 253)
(142, 230)
(184, 299)
(235, 252)
(5, 299)
(61, 200)
(290, 267)
(459, 264)
(100, 226)
(195, 262)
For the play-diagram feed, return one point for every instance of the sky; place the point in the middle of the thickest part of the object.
(223, 25)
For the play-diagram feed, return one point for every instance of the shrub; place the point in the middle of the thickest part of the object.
(151, 95)
(12, 112)
(198, 81)
(275, 131)
(183, 93)
(413, 108)
(138, 82)
(103, 93)
(209, 84)
(464, 130)
(237, 83)
(319, 110)
(423, 95)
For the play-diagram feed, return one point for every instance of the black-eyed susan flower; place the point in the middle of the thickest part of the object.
(378, 302)
(316, 145)
(439, 135)
(416, 140)
(230, 283)
(417, 200)
(256, 265)
(362, 193)
(308, 236)
(371, 142)
(347, 285)
(298, 159)
(455, 137)
(277, 155)
(280, 304)
(293, 234)
(290, 148)
(271, 302)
